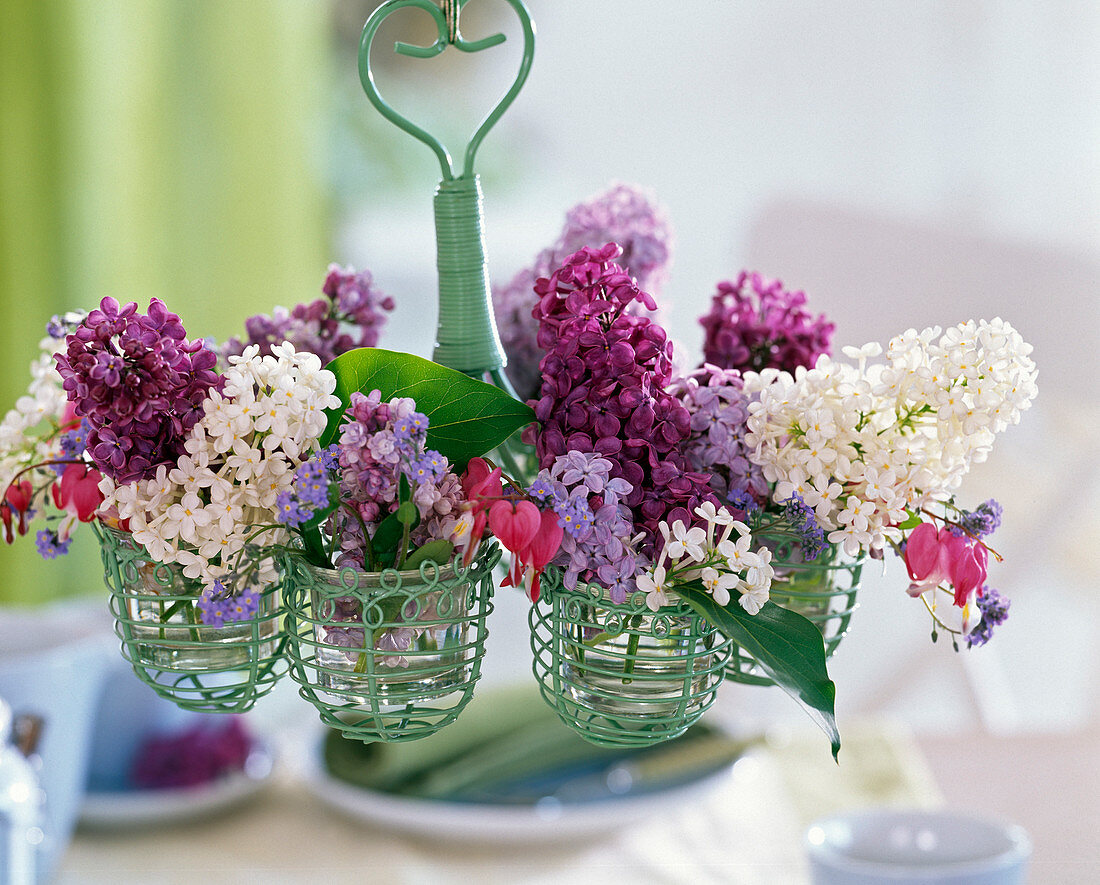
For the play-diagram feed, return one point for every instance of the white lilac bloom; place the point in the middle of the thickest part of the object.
(717, 561)
(865, 440)
(239, 457)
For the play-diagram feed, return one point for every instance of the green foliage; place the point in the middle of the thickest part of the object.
(787, 646)
(466, 417)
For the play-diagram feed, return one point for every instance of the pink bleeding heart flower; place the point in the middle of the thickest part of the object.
(514, 525)
(543, 548)
(77, 493)
(934, 556)
(17, 500)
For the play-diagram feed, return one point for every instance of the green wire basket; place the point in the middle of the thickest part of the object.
(198, 667)
(823, 590)
(391, 655)
(620, 674)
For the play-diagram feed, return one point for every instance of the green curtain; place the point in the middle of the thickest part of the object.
(168, 148)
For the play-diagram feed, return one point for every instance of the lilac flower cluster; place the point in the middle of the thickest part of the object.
(802, 519)
(603, 388)
(716, 444)
(351, 315)
(219, 605)
(983, 520)
(994, 608)
(589, 501)
(378, 443)
(49, 545)
(623, 214)
(140, 385)
(755, 324)
(197, 755)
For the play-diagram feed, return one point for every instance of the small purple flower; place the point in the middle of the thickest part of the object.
(994, 608)
(49, 545)
(983, 520)
(542, 489)
(802, 518)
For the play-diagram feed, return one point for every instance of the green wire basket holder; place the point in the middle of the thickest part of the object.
(391, 655)
(198, 667)
(823, 590)
(620, 674)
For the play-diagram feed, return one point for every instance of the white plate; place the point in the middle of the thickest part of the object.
(140, 808)
(546, 819)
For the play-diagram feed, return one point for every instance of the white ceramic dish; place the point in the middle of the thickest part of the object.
(903, 847)
(147, 808)
(545, 819)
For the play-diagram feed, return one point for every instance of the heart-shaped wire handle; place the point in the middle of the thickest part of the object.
(466, 335)
(448, 35)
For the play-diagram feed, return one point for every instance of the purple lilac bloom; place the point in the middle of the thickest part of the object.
(139, 384)
(604, 380)
(351, 315)
(593, 550)
(983, 520)
(623, 214)
(994, 608)
(755, 324)
(719, 409)
(49, 545)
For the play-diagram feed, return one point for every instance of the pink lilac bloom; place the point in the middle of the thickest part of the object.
(138, 383)
(716, 401)
(604, 380)
(754, 324)
(351, 315)
(624, 214)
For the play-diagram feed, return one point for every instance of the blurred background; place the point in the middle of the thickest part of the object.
(906, 164)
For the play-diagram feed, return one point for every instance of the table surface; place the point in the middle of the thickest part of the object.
(748, 829)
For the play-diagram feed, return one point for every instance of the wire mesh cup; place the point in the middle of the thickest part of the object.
(390, 655)
(823, 590)
(620, 674)
(198, 666)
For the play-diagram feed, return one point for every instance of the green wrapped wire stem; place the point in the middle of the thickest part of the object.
(620, 674)
(823, 590)
(391, 655)
(198, 667)
(466, 337)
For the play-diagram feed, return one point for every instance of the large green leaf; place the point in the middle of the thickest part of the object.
(788, 647)
(466, 417)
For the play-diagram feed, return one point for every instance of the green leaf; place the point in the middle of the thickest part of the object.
(466, 417)
(911, 522)
(407, 514)
(386, 536)
(788, 647)
(439, 551)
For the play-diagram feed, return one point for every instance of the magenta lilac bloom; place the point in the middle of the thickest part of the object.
(754, 324)
(198, 755)
(603, 388)
(138, 383)
(351, 315)
(623, 214)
